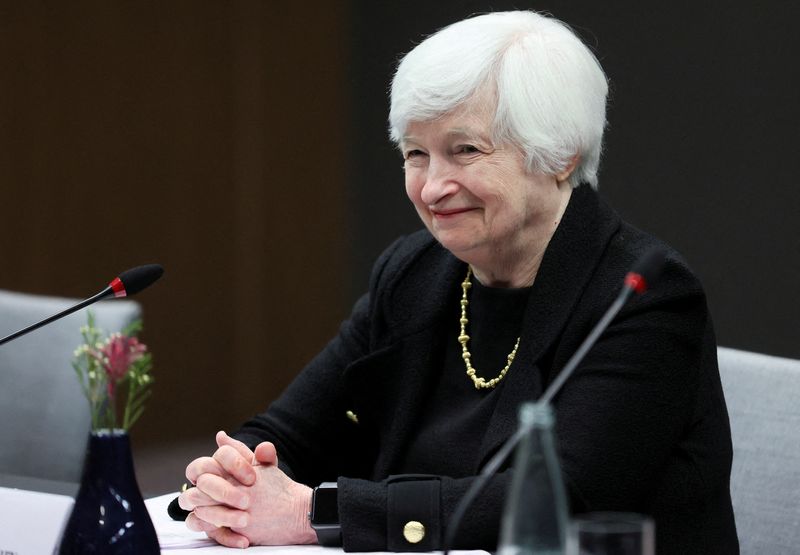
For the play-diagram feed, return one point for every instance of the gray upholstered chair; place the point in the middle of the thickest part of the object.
(44, 417)
(763, 396)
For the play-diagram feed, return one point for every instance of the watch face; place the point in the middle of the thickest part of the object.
(325, 510)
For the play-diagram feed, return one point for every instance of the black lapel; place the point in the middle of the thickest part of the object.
(567, 266)
(390, 384)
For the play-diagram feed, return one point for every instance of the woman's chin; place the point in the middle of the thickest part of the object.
(457, 243)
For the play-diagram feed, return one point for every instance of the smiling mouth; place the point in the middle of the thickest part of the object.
(450, 213)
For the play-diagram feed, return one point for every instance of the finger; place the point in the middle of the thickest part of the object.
(228, 538)
(223, 516)
(203, 465)
(196, 524)
(241, 448)
(239, 467)
(265, 453)
(194, 497)
(223, 491)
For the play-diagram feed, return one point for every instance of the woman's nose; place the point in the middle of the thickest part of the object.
(440, 182)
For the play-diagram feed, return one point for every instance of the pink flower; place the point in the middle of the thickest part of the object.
(119, 353)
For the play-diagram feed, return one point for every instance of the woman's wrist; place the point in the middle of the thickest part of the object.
(306, 534)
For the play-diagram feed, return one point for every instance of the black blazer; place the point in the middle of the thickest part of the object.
(642, 424)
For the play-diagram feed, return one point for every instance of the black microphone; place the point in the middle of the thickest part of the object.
(638, 280)
(127, 283)
(175, 511)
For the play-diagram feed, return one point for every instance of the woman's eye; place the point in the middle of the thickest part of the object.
(467, 149)
(413, 154)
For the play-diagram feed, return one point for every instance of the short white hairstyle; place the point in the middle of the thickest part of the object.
(549, 88)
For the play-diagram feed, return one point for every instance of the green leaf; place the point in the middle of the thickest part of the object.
(133, 329)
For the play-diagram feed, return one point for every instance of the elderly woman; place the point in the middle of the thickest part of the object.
(500, 121)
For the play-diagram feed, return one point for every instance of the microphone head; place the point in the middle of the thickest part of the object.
(175, 512)
(646, 270)
(134, 280)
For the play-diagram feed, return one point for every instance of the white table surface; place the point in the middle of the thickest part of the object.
(31, 523)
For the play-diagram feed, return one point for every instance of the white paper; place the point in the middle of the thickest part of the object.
(173, 535)
(30, 521)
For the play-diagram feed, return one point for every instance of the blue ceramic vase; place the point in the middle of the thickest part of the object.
(109, 515)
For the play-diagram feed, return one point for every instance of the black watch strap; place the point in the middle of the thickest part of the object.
(324, 514)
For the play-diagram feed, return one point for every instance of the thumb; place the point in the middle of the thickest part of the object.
(266, 453)
(224, 439)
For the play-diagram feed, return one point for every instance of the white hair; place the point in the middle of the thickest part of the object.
(549, 88)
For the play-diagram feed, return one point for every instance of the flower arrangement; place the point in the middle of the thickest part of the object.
(114, 374)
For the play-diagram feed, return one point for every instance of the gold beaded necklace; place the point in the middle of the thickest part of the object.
(463, 338)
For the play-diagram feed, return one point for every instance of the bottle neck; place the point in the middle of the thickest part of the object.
(536, 416)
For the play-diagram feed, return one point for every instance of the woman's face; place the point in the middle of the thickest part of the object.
(474, 196)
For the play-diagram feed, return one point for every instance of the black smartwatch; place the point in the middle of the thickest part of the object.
(325, 514)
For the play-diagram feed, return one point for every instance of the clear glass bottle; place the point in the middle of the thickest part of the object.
(535, 518)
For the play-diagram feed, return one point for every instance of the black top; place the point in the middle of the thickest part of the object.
(641, 425)
(453, 423)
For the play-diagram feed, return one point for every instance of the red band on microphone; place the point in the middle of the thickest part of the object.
(636, 282)
(118, 287)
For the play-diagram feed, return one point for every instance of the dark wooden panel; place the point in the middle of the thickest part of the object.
(207, 136)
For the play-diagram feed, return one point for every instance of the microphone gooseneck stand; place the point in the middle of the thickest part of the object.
(91, 300)
(128, 283)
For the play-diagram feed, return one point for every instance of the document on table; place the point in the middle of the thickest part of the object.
(31, 521)
(173, 535)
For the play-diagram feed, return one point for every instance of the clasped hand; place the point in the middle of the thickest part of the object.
(242, 498)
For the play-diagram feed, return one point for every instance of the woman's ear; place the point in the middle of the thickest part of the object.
(564, 175)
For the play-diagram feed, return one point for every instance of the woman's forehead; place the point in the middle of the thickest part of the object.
(454, 125)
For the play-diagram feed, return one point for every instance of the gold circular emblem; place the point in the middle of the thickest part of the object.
(413, 531)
